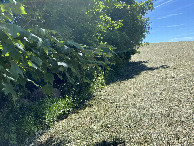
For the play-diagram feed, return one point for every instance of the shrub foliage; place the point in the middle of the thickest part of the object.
(65, 45)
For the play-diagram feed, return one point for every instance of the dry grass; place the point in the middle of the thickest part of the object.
(150, 104)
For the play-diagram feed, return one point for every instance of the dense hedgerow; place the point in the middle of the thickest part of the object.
(55, 54)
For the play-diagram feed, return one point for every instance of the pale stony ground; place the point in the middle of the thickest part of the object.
(150, 104)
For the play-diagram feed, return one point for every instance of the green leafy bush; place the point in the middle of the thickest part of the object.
(68, 46)
(22, 122)
(122, 24)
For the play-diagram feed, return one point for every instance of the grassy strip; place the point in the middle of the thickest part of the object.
(20, 123)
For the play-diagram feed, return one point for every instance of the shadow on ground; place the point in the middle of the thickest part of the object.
(51, 141)
(116, 142)
(133, 69)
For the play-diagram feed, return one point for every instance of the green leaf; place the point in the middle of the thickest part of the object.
(37, 76)
(15, 70)
(1, 47)
(61, 68)
(74, 45)
(32, 65)
(3, 9)
(7, 54)
(1, 67)
(23, 10)
(9, 89)
(62, 64)
(60, 77)
(86, 80)
(45, 50)
(19, 45)
(15, 54)
(29, 63)
(22, 81)
(47, 89)
(12, 30)
(63, 49)
(7, 48)
(36, 60)
(49, 78)
(70, 78)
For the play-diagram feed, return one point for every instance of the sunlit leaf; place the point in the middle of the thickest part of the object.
(7, 54)
(29, 63)
(62, 64)
(20, 45)
(45, 50)
(23, 10)
(32, 65)
(2, 8)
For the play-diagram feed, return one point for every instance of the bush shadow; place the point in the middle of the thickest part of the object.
(132, 69)
(50, 141)
(115, 142)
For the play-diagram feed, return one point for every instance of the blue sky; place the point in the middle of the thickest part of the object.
(172, 21)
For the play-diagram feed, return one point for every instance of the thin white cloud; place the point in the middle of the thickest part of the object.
(158, 1)
(184, 34)
(182, 39)
(183, 7)
(175, 25)
(163, 3)
(169, 26)
(170, 15)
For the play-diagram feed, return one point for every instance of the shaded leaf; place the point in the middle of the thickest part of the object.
(15, 70)
(7, 48)
(74, 45)
(49, 78)
(9, 89)
(1, 67)
(36, 60)
(47, 89)
(70, 78)
(22, 81)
